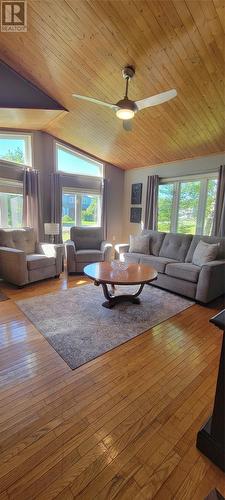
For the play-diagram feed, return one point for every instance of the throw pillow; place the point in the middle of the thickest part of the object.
(139, 244)
(204, 252)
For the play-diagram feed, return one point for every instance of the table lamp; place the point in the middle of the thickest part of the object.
(52, 229)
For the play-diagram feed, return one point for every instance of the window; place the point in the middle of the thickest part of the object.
(165, 206)
(187, 206)
(70, 162)
(11, 203)
(79, 209)
(15, 148)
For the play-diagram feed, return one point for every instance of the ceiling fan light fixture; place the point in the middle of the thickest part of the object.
(125, 114)
(126, 109)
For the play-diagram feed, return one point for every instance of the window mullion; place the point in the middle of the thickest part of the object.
(201, 207)
(78, 210)
(175, 207)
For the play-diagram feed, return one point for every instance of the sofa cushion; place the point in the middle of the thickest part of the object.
(37, 261)
(139, 243)
(159, 263)
(183, 271)
(22, 239)
(89, 256)
(175, 285)
(86, 237)
(204, 252)
(207, 239)
(132, 257)
(155, 240)
(175, 246)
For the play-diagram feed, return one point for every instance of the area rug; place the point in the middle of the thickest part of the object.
(3, 296)
(80, 329)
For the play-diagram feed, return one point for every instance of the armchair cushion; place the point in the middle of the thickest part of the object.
(22, 239)
(53, 250)
(87, 237)
(37, 261)
(89, 256)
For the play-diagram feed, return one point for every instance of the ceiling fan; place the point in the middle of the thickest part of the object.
(125, 109)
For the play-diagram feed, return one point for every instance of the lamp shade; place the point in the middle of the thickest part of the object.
(51, 228)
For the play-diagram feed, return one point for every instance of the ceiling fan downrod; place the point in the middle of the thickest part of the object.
(128, 72)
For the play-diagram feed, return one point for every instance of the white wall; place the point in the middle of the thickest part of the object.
(183, 168)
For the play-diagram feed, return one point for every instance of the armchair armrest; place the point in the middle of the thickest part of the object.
(13, 266)
(120, 249)
(52, 250)
(70, 248)
(70, 243)
(107, 249)
(211, 282)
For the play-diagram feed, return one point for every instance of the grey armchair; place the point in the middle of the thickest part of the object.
(24, 260)
(86, 245)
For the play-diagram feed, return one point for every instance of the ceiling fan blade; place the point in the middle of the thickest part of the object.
(95, 101)
(154, 100)
(127, 125)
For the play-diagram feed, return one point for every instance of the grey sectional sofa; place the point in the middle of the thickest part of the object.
(171, 255)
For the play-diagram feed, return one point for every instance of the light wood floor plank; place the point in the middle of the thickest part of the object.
(122, 426)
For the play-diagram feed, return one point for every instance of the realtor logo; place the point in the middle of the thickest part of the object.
(13, 15)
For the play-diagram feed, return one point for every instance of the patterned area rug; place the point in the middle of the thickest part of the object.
(80, 329)
(3, 296)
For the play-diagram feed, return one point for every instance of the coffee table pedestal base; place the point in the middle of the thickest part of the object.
(112, 300)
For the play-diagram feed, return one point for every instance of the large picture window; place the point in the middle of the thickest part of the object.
(15, 148)
(187, 206)
(11, 204)
(79, 209)
(71, 162)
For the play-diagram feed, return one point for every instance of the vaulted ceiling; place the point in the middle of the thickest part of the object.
(81, 46)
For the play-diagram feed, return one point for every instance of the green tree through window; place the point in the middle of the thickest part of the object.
(165, 203)
(16, 155)
(187, 206)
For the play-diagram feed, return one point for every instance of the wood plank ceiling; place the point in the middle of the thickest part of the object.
(81, 46)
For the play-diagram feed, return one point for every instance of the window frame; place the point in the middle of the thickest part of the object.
(28, 138)
(16, 185)
(76, 153)
(177, 181)
(82, 192)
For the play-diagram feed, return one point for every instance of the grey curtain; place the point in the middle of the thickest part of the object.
(219, 215)
(151, 207)
(104, 208)
(56, 203)
(31, 201)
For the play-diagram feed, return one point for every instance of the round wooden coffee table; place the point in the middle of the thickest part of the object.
(106, 273)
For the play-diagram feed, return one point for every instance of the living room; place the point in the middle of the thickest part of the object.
(112, 249)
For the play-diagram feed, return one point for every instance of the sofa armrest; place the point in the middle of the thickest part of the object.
(13, 266)
(53, 250)
(107, 249)
(211, 281)
(70, 248)
(120, 249)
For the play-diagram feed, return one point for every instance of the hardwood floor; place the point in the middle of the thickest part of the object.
(122, 426)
